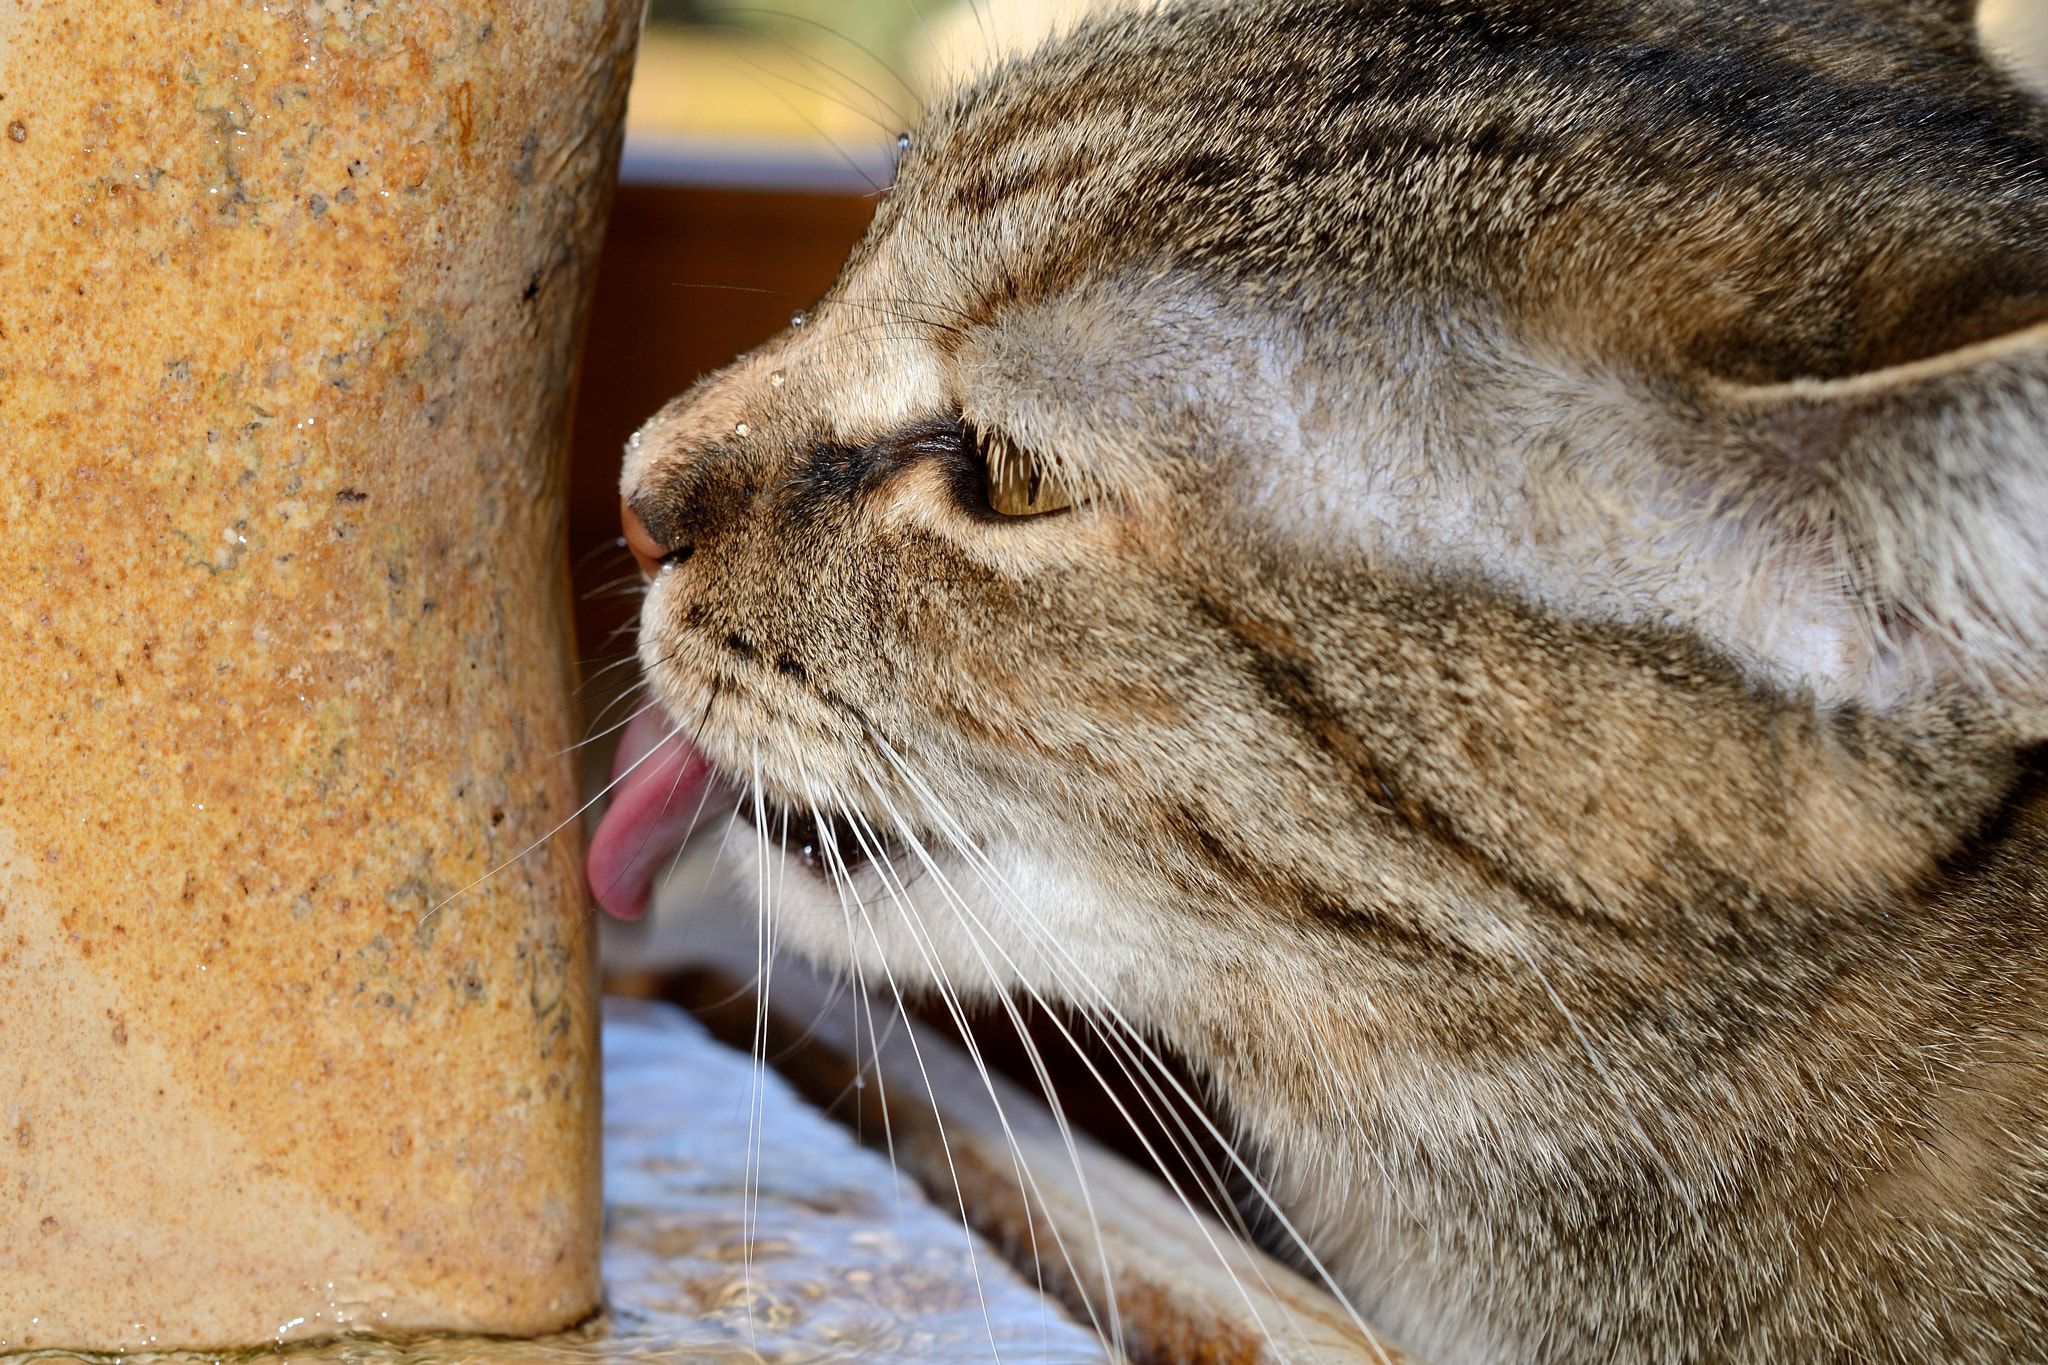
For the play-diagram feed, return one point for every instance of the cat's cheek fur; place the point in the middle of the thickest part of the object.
(1552, 498)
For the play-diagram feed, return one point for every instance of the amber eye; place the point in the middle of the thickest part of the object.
(1018, 485)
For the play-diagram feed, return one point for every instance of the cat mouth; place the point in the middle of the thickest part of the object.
(827, 847)
(664, 787)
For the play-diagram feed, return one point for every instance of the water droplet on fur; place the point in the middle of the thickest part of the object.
(799, 318)
(741, 429)
(902, 142)
(778, 379)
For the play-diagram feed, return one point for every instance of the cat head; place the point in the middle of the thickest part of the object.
(1334, 465)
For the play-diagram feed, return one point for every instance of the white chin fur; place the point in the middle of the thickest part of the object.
(997, 920)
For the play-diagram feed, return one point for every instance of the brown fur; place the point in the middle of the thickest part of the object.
(1542, 694)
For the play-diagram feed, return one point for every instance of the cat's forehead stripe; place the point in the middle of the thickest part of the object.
(1482, 149)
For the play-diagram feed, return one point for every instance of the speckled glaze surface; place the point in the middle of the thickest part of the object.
(289, 302)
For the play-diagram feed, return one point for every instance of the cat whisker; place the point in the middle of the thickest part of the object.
(980, 934)
(931, 40)
(983, 941)
(811, 59)
(848, 894)
(982, 21)
(853, 334)
(904, 311)
(878, 859)
(617, 589)
(563, 824)
(600, 726)
(723, 831)
(646, 702)
(615, 546)
(823, 136)
(750, 1206)
(1113, 1329)
(935, 966)
(634, 578)
(920, 310)
(903, 308)
(822, 26)
(703, 798)
(610, 666)
(769, 75)
(1094, 998)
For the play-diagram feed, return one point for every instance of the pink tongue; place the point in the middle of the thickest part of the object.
(660, 793)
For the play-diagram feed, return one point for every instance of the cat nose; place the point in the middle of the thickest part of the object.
(647, 551)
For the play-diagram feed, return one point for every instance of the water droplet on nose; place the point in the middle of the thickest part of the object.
(741, 429)
(799, 318)
(902, 142)
(778, 379)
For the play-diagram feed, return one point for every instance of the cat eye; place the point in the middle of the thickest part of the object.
(1019, 485)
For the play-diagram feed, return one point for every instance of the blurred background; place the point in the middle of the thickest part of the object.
(758, 137)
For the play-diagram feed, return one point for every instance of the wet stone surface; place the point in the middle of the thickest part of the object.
(740, 1217)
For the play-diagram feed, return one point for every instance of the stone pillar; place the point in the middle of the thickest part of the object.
(297, 1004)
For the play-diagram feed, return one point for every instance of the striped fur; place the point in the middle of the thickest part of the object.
(1543, 694)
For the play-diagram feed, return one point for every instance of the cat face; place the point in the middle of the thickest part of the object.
(1411, 544)
(1354, 443)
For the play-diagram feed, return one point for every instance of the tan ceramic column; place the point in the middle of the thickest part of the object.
(289, 298)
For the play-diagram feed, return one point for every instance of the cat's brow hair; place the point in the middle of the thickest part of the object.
(1599, 168)
(1541, 689)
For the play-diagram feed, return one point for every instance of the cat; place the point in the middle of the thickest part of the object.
(1479, 567)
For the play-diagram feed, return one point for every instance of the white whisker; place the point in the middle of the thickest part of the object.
(1093, 997)
(1113, 1329)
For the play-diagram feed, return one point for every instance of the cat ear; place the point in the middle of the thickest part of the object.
(1913, 501)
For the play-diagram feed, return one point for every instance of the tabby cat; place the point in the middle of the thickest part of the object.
(1479, 567)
